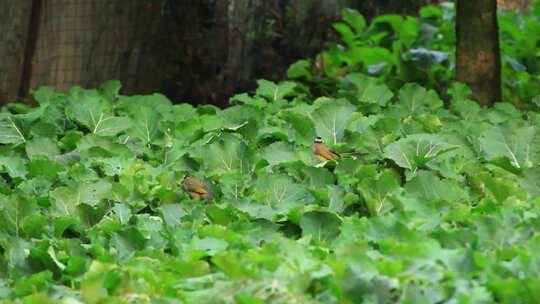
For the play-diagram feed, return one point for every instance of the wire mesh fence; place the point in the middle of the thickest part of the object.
(76, 42)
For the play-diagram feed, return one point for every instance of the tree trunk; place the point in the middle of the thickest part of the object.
(477, 53)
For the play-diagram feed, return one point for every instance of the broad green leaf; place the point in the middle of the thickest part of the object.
(369, 55)
(502, 112)
(36, 186)
(127, 242)
(110, 89)
(91, 146)
(123, 212)
(300, 68)
(145, 125)
(90, 111)
(209, 245)
(172, 214)
(354, 19)
(405, 27)
(10, 132)
(279, 193)
(500, 187)
(314, 177)
(112, 166)
(429, 186)
(149, 226)
(416, 150)
(14, 166)
(330, 118)
(30, 285)
(275, 91)
(346, 34)
(302, 129)
(46, 95)
(65, 200)
(520, 144)
(13, 210)
(360, 123)
(531, 181)
(280, 152)
(369, 90)
(136, 103)
(41, 147)
(321, 226)
(336, 201)
(415, 100)
(377, 189)
(225, 154)
(44, 167)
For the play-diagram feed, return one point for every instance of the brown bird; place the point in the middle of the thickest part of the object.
(323, 152)
(197, 189)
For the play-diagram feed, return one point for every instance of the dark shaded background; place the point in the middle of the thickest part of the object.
(198, 51)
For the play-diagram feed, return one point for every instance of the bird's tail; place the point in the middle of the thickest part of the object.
(351, 153)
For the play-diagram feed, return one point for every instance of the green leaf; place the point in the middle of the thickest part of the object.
(354, 19)
(123, 212)
(377, 189)
(429, 186)
(531, 181)
(36, 186)
(330, 118)
(65, 200)
(41, 147)
(45, 95)
(414, 100)
(302, 128)
(225, 154)
(110, 89)
(369, 90)
(321, 226)
(14, 166)
(336, 201)
(314, 177)
(278, 193)
(172, 214)
(10, 131)
(36, 282)
(280, 152)
(127, 242)
(90, 111)
(517, 143)
(416, 150)
(136, 103)
(149, 226)
(301, 68)
(13, 210)
(275, 91)
(44, 167)
(368, 56)
(145, 125)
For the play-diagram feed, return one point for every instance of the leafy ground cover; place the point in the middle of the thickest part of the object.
(441, 203)
(401, 49)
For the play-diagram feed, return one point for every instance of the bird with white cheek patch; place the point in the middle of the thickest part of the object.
(323, 152)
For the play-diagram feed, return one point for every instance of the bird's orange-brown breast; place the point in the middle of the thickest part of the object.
(323, 153)
(193, 185)
(196, 188)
